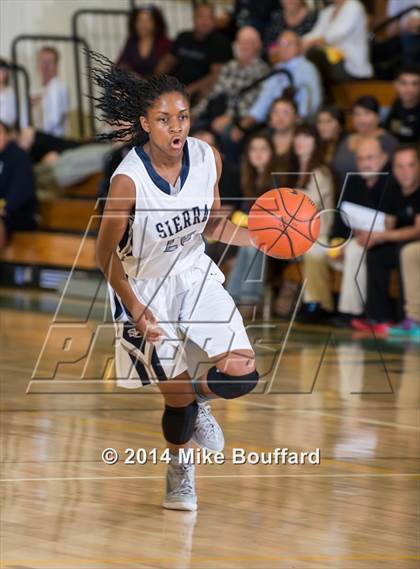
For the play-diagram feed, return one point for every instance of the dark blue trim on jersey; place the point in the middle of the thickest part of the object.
(160, 182)
(118, 308)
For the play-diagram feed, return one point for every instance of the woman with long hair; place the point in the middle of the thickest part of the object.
(147, 41)
(164, 289)
(330, 124)
(246, 281)
(312, 176)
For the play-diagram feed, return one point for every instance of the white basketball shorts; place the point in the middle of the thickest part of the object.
(192, 307)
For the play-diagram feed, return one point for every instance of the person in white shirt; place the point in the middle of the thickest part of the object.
(51, 105)
(338, 43)
(306, 84)
(410, 23)
(407, 27)
(8, 113)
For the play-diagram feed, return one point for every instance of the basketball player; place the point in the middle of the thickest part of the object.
(164, 289)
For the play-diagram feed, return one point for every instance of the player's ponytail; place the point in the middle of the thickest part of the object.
(125, 97)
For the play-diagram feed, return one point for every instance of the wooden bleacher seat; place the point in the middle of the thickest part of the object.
(347, 92)
(68, 215)
(57, 250)
(86, 189)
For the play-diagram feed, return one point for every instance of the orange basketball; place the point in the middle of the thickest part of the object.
(284, 223)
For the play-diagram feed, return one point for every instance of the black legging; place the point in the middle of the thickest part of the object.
(381, 260)
(44, 143)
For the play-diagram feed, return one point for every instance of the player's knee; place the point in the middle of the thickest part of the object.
(231, 386)
(178, 423)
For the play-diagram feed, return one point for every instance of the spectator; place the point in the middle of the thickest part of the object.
(61, 162)
(44, 147)
(363, 189)
(293, 15)
(330, 124)
(306, 84)
(249, 13)
(383, 247)
(338, 43)
(410, 275)
(366, 123)
(314, 178)
(218, 108)
(246, 281)
(147, 41)
(403, 120)
(282, 123)
(18, 202)
(231, 201)
(407, 28)
(196, 56)
(8, 112)
(51, 105)
(7, 96)
(229, 183)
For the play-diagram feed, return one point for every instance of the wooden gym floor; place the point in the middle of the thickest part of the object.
(357, 399)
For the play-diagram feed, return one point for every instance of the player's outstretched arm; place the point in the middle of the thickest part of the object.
(119, 206)
(219, 227)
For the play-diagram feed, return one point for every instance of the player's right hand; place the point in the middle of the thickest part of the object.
(146, 323)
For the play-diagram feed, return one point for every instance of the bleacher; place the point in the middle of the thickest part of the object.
(65, 238)
(60, 242)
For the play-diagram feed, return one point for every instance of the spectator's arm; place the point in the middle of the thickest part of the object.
(410, 233)
(166, 64)
(261, 107)
(316, 34)
(350, 16)
(219, 88)
(206, 83)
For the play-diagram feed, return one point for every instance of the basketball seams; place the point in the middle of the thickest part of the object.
(286, 227)
(280, 220)
(283, 227)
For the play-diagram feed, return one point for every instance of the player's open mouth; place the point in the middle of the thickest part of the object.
(177, 142)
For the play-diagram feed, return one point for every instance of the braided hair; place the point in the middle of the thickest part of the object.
(125, 97)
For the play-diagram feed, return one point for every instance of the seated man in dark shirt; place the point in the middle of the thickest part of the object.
(362, 198)
(402, 225)
(403, 120)
(196, 56)
(18, 204)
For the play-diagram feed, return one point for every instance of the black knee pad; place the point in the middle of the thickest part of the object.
(178, 423)
(231, 386)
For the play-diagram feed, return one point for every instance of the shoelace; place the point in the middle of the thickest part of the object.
(186, 486)
(208, 425)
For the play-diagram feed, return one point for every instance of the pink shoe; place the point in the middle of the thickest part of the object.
(366, 326)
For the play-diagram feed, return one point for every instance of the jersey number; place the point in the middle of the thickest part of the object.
(179, 241)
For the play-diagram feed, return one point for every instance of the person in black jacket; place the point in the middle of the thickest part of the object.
(402, 203)
(18, 203)
(196, 56)
(403, 120)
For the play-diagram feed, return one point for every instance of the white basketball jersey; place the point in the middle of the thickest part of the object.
(164, 234)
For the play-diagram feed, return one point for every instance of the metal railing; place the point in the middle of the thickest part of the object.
(385, 23)
(60, 39)
(16, 71)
